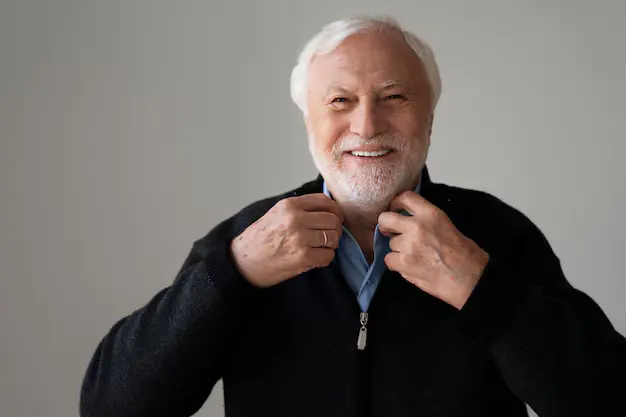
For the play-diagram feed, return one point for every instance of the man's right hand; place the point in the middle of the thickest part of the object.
(288, 240)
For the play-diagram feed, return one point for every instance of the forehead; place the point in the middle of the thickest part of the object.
(367, 60)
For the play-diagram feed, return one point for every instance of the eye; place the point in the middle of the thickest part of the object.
(339, 100)
(395, 97)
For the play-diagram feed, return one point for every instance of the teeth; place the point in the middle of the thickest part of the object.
(377, 153)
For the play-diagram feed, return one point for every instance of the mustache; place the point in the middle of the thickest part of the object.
(386, 141)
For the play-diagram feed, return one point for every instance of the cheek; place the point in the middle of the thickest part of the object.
(409, 124)
(327, 130)
(415, 130)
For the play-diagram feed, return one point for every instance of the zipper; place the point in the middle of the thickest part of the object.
(363, 369)
(361, 341)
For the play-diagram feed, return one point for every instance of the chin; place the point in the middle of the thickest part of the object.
(370, 186)
(369, 190)
(365, 196)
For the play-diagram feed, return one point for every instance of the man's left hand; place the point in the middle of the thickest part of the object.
(429, 251)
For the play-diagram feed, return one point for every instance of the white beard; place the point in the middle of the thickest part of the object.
(373, 185)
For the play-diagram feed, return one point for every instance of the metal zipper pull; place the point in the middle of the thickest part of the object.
(362, 340)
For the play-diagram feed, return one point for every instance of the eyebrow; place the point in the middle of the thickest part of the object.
(385, 85)
(393, 83)
(335, 88)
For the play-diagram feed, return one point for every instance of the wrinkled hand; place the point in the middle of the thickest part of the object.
(288, 240)
(429, 251)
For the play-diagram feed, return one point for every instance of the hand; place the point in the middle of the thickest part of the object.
(288, 240)
(429, 251)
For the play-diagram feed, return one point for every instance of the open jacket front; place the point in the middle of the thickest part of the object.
(524, 335)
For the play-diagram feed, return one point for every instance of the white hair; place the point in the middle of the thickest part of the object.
(333, 34)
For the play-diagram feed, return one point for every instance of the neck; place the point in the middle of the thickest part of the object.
(361, 220)
(361, 223)
(358, 218)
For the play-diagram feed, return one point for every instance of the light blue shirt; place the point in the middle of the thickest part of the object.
(362, 277)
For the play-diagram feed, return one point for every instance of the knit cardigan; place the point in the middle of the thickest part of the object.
(525, 335)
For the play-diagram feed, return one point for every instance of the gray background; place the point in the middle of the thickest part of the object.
(129, 128)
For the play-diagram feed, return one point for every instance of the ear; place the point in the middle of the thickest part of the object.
(430, 124)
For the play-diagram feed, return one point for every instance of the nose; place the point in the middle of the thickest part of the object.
(367, 121)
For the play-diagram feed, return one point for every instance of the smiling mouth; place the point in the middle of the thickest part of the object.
(364, 154)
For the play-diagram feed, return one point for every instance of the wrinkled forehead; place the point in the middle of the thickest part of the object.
(373, 59)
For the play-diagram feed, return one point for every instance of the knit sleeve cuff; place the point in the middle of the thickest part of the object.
(212, 283)
(221, 272)
(493, 303)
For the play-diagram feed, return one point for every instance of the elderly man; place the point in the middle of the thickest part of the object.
(370, 291)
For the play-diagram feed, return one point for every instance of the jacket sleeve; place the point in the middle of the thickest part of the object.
(165, 358)
(553, 345)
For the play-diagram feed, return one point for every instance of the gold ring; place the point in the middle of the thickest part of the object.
(325, 238)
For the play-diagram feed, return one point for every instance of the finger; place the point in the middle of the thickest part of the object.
(411, 202)
(390, 223)
(321, 257)
(397, 243)
(393, 261)
(315, 238)
(318, 202)
(321, 220)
